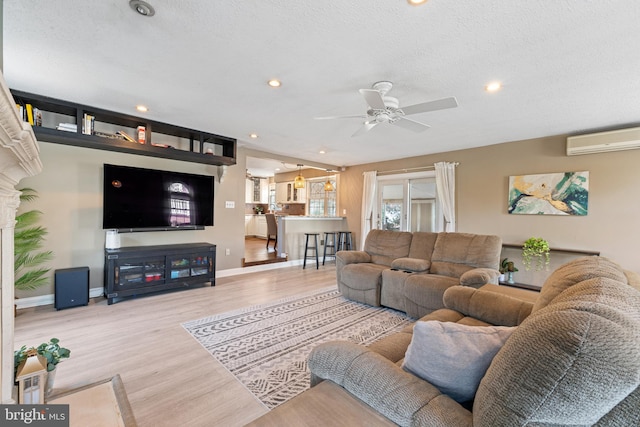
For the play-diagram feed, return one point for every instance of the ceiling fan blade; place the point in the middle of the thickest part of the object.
(358, 116)
(373, 98)
(411, 125)
(438, 104)
(366, 127)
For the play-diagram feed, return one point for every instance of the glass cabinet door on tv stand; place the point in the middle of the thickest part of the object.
(190, 265)
(137, 270)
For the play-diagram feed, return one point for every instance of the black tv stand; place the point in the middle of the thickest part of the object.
(138, 270)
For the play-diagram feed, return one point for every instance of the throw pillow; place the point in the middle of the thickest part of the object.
(453, 357)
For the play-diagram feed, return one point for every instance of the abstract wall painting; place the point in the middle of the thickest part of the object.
(549, 194)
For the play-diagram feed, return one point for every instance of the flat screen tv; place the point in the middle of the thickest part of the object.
(136, 199)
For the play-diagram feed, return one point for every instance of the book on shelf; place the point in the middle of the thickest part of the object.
(37, 116)
(109, 135)
(29, 112)
(67, 127)
(125, 136)
(88, 124)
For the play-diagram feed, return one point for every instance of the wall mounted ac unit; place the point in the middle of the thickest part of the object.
(601, 142)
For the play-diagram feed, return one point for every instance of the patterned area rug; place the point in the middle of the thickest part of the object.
(266, 346)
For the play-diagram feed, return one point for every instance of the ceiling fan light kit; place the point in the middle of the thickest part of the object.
(386, 109)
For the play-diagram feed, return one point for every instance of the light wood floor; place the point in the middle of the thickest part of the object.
(170, 379)
(256, 252)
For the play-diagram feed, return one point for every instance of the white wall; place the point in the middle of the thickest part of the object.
(70, 190)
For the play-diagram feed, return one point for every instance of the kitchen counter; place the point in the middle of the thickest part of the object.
(291, 229)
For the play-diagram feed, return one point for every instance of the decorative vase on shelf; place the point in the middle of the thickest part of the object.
(51, 376)
(510, 278)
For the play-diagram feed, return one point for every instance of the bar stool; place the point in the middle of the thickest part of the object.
(332, 245)
(307, 248)
(344, 241)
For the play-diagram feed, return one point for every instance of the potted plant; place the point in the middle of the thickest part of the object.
(507, 268)
(51, 351)
(535, 248)
(28, 239)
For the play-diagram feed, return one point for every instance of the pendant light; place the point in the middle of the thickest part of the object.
(298, 182)
(328, 186)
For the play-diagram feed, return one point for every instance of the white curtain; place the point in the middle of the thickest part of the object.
(446, 187)
(368, 199)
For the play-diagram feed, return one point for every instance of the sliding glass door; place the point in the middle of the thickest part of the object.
(408, 204)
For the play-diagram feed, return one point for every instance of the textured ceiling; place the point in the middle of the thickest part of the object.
(567, 66)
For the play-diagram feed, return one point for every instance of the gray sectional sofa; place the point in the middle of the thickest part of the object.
(410, 271)
(572, 356)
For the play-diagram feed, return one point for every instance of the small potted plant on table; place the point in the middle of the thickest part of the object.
(507, 268)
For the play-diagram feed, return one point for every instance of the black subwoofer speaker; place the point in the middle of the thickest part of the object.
(72, 287)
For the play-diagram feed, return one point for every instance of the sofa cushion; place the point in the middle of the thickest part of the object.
(576, 271)
(569, 363)
(422, 244)
(411, 264)
(489, 306)
(384, 246)
(362, 276)
(453, 357)
(423, 293)
(456, 253)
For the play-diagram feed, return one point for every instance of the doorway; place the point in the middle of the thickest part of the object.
(408, 203)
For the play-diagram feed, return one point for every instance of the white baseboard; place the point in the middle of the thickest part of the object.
(50, 299)
(98, 292)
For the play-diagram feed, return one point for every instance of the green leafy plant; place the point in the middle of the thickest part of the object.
(51, 351)
(28, 241)
(535, 248)
(507, 266)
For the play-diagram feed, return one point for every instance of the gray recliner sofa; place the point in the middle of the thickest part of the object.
(410, 271)
(573, 357)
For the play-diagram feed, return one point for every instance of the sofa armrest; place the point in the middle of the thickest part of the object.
(488, 306)
(352, 257)
(411, 264)
(403, 398)
(479, 276)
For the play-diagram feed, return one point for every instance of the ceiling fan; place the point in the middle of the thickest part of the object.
(386, 109)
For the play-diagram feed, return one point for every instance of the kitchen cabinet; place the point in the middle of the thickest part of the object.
(255, 225)
(260, 226)
(256, 190)
(286, 193)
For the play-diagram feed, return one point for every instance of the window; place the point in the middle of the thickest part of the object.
(322, 202)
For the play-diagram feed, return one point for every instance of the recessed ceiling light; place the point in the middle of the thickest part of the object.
(274, 83)
(416, 2)
(253, 135)
(322, 152)
(277, 169)
(142, 108)
(493, 87)
(142, 7)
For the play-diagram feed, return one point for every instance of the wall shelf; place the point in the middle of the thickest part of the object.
(162, 139)
(568, 251)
